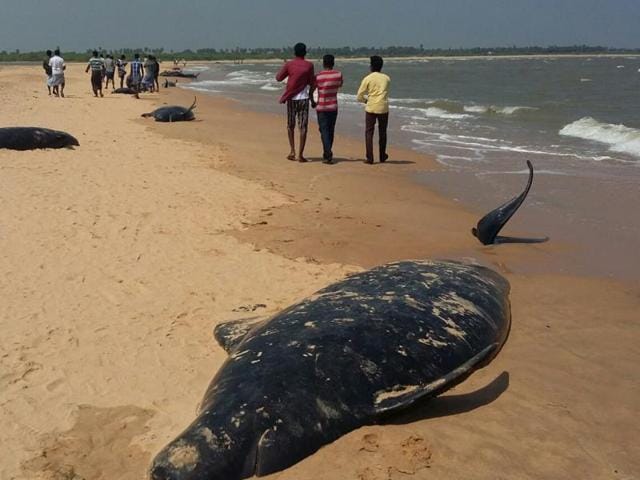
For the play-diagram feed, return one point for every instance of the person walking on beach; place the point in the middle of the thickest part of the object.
(96, 65)
(122, 69)
(156, 73)
(300, 86)
(57, 73)
(136, 73)
(109, 71)
(147, 80)
(328, 82)
(47, 69)
(374, 91)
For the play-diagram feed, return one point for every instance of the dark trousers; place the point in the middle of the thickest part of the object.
(370, 125)
(327, 125)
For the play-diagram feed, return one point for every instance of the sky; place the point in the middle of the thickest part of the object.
(78, 25)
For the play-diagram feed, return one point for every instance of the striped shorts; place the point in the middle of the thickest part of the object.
(297, 109)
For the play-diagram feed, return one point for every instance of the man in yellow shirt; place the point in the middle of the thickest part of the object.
(374, 91)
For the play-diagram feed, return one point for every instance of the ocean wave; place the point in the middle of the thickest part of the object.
(272, 87)
(433, 112)
(508, 110)
(620, 138)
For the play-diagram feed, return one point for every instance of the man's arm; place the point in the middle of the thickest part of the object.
(312, 88)
(283, 72)
(363, 90)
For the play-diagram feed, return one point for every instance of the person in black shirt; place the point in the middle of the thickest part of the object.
(47, 69)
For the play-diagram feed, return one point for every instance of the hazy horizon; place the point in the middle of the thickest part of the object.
(77, 25)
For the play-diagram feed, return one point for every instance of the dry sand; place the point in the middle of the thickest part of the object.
(118, 258)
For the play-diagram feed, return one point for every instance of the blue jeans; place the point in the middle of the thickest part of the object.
(327, 124)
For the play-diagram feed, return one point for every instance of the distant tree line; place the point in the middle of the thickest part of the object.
(317, 52)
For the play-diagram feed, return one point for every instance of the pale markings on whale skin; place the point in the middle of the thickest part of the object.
(432, 342)
(239, 355)
(327, 410)
(184, 456)
(214, 441)
(412, 302)
(395, 392)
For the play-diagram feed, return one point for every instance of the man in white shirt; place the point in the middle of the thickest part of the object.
(57, 73)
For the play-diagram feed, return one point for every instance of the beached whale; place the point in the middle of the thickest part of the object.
(125, 90)
(173, 113)
(31, 138)
(376, 342)
(179, 74)
(490, 225)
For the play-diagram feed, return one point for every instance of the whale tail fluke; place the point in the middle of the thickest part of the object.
(490, 225)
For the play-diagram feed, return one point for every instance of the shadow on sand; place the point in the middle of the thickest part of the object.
(450, 404)
(500, 240)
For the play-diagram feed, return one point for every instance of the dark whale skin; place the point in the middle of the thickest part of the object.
(32, 138)
(371, 344)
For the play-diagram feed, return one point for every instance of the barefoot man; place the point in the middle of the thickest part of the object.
(299, 91)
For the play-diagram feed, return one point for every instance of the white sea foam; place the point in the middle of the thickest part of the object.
(508, 110)
(271, 87)
(620, 138)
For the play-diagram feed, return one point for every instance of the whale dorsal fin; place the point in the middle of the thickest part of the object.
(490, 225)
(230, 334)
(405, 396)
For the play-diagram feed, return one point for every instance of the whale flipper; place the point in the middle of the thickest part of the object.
(407, 396)
(229, 334)
(490, 225)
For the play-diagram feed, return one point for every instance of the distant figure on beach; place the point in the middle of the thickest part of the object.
(57, 73)
(328, 82)
(374, 91)
(96, 65)
(148, 82)
(136, 73)
(156, 72)
(47, 69)
(109, 71)
(299, 91)
(122, 69)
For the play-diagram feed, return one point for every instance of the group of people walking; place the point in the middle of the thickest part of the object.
(302, 82)
(143, 75)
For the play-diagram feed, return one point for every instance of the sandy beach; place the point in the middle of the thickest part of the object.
(119, 257)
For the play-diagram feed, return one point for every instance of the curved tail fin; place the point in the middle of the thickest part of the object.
(490, 225)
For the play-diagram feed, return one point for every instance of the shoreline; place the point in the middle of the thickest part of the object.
(366, 59)
(120, 256)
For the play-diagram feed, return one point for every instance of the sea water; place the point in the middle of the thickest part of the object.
(576, 119)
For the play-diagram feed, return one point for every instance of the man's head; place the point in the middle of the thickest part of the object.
(122, 57)
(376, 63)
(56, 51)
(95, 53)
(328, 61)
(137, 56)
(49, 53)
(300, 50)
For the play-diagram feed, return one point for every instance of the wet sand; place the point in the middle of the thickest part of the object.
(120, 256)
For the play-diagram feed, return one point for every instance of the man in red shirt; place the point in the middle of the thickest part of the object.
(299, 91)
(328, 82)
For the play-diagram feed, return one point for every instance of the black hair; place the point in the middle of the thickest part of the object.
(49, 53)
(123, 56)
(376, 63)
(300, 49)
(137, 55)
(95, 53)
(57, 51)
(328, 61)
